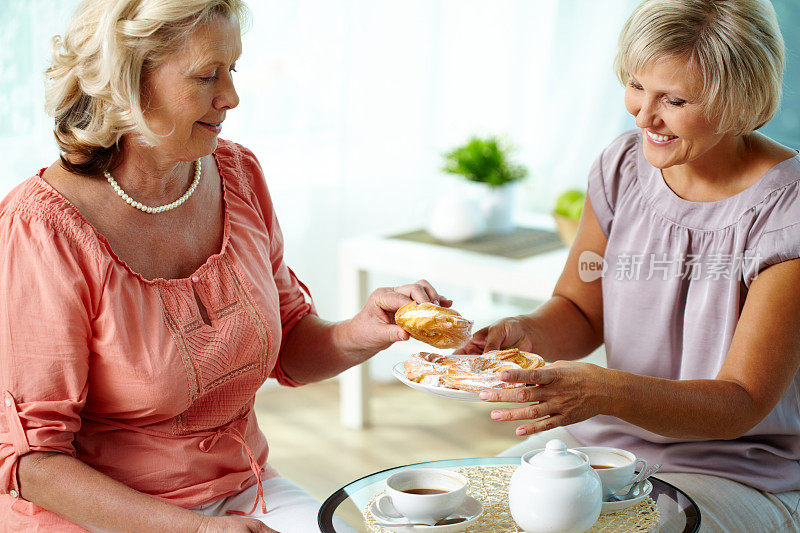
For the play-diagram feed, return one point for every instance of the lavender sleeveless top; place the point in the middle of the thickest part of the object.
(677, 277)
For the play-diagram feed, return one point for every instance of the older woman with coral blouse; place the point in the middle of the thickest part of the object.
(697, 217)
(144, 297)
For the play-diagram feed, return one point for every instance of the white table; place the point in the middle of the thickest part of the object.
(532, 278)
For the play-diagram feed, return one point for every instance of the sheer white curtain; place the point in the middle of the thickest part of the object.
(350, 103)
(26, 139)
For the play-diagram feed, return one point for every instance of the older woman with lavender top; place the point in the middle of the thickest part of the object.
(697, 217)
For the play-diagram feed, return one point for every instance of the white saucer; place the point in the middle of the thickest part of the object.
(471, 508)
(614, 507)
(444, 392)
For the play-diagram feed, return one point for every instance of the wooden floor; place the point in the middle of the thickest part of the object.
(309, 445)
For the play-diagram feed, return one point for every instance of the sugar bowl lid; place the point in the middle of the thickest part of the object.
(556, 457)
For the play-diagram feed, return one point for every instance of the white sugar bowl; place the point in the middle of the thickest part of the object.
(555, 490)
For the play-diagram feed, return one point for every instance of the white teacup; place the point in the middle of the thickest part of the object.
(423, 495)
(614, 466)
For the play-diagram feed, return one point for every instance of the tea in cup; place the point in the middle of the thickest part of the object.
(423, 495)
(615, 466)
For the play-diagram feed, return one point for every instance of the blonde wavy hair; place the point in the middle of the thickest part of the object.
(735, 45)
(94, 82)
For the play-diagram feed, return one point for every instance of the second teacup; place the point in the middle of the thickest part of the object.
(423, 494)
(615, 466)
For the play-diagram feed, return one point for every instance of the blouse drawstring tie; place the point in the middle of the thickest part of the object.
(209, 442)
(211, 438)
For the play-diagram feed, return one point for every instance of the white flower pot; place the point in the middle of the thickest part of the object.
(498, 208)
(456, 218)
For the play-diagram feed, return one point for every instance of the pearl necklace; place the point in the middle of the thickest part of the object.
(198, 166)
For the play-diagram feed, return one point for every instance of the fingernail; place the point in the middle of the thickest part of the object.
(505, 376)
(436, 302)
(521, 431)
(495, 415)
(484, 395)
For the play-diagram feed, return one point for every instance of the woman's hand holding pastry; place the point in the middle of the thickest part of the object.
(511, 332)
(559, 394)
(373, 328)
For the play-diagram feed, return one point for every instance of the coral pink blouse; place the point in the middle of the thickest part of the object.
(122, 372)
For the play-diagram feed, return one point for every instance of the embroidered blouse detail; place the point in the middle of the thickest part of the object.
(125, 373)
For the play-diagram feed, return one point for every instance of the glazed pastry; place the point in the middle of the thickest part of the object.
(475, 382)
(424, 364)
(469, 374)
(434, 325)
(496, 361)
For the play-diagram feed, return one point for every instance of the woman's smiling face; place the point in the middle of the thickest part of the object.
(186, 97)
(665, 99)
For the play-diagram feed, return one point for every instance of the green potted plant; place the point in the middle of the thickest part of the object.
(486, 160)
(567, 214)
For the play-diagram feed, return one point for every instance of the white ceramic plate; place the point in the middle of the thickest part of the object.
(613, 507)
(453, 394)
(471, 508)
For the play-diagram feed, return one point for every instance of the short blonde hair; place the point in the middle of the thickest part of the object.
(735, 45)
(94, 82)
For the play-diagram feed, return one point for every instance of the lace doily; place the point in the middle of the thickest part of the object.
(489, 484)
